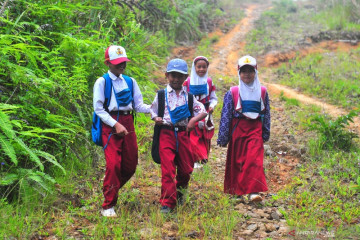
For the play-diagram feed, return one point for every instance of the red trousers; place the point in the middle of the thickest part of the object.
(200, 144)
(121, 156)
(176, 167)
(244, 171)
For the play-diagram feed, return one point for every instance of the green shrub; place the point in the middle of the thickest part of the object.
(333, 134)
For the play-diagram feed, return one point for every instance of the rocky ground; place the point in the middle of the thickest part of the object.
(286, 149)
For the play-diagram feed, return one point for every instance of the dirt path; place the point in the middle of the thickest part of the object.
(283, 152)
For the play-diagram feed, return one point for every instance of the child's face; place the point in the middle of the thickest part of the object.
(247, 74)
(201, 68)
(116, 69)
(176, 79)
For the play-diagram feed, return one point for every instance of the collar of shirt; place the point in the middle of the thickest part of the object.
(170, 89)
(113, 77)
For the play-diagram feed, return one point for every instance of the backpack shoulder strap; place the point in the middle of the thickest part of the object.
(209, 81)
(187, 84)
(107, 91)
(191, 104)
(263, 93)
(235, 94)
(161, 102)
(129, 82)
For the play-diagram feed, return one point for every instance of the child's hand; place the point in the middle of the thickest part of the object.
(211, 110)
(191, 125)
(120, 129)
(158, 120)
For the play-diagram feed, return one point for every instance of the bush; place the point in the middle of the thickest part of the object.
(333, 134)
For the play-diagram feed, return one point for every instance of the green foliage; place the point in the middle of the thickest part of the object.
(324, 191)
(339, 15)
(52, 52)
(333, 134)
(289, 101)
(332, 76)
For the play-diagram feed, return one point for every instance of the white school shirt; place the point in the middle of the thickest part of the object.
(174, 101)
(212, 98)
(119, 84)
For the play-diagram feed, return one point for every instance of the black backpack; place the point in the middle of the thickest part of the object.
(157, 128)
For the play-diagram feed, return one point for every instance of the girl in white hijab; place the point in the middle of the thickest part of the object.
(244, 127)
(202, 87)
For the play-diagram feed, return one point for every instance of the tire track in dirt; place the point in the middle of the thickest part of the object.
(230, 46)
(285, 155)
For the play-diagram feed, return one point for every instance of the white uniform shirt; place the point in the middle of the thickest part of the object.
(119, 84)
(174, 101)
(212, 98)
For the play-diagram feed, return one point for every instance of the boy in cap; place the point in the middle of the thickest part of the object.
(245, 125)
(118, 133)
(177, 159)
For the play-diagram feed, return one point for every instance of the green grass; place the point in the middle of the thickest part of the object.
(324, 194)
(331, 76)
(340, 17)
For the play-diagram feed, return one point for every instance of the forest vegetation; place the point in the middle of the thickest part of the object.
(51, 53)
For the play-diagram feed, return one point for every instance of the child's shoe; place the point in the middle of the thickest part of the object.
(255, 197)
(197, 165)
(110, 212)
(165, 209)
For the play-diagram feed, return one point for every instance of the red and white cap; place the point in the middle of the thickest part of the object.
(116, 55)
(247, 60)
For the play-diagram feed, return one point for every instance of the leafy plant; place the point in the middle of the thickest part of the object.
(333, 134)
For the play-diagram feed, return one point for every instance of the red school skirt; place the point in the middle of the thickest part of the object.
(244, 172)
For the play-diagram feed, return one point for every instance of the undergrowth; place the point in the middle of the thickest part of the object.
(323, 197)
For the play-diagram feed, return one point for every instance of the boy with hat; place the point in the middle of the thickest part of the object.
(177, 159)
(245, 125)
(118, 133)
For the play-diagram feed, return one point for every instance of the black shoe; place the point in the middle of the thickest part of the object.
(204, 161)
(165, 209)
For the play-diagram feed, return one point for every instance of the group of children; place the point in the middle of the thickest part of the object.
(187, 120)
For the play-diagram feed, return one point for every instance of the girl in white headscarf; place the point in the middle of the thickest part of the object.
(245, 126)
(202, 87)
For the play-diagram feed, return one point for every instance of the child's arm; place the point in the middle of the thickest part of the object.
(199, 114)
(225, 121)
(139, 104)
(154, 111)
(191, 124)
(266, 121)
(213, 99)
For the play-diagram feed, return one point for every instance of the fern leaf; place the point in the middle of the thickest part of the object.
(39, 180)
(9, 179)
(4, 106)
(31, 153)
(50, 158)
(8, 149)
(5, 125)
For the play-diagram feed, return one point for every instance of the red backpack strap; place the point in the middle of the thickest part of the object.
(235, 94)
(209, 81)
(187, 84)
(263, 93)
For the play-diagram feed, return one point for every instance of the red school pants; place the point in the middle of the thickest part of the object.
(121, 156)
(176, 167)
(244, 171)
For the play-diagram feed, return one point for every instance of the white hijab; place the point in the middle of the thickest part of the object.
(196, 79)
(250, 92)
